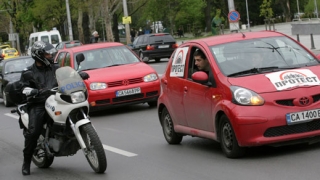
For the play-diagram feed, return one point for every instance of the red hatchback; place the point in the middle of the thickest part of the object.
(256, 88)
(117, 75)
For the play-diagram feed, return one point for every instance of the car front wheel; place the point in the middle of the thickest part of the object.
(168, 131)
(229, 143)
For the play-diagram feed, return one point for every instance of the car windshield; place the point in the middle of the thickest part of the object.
(17, 66)
(106, 57)
(261, 55)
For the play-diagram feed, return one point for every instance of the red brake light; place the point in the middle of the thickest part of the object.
(175, 45)
(150, 47)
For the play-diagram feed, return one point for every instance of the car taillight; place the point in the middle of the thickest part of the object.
(150, 47)
(175, 45)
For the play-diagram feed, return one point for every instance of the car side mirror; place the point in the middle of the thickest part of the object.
(200, 77)
(79, 58)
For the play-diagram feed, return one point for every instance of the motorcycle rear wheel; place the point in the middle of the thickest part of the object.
(95, 153)
(40, 158)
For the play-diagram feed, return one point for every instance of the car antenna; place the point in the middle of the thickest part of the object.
(237, 28)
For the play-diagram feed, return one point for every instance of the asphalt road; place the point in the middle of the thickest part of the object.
(136, 150)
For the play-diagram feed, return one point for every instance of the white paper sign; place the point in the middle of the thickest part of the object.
(178, 62)
(293, 78)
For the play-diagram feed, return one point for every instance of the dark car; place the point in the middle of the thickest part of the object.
(68, 44)
(154, 46)
(10, 71)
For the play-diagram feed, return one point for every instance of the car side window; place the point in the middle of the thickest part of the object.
(67, 60)
(60, 58)
(145, 40)
(140, 40)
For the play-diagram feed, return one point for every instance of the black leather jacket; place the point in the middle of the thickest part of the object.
(43, 79)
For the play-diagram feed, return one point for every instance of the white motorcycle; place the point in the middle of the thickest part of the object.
(69, 128)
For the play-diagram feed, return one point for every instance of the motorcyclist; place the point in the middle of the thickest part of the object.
(36, 82)
(43, 78)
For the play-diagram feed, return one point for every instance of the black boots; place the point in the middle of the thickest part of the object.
(26, 167)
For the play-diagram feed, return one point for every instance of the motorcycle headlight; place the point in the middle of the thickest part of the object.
(77, 97)
(150, 77)
(245, 96)
(98, 86)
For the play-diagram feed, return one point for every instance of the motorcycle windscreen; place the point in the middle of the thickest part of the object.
(69, 81)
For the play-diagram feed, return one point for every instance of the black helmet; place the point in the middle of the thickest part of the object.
(39, 49)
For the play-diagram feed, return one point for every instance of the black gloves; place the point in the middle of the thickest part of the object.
(84, 75)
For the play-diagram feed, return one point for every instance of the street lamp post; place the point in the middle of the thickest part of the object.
(69, 21)
(315, 3)
(248, 16)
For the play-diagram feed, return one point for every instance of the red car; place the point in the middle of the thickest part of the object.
(117, 76)
(259, 88)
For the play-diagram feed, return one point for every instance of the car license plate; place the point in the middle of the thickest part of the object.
(127, 92)
(303, 116)
(10, 54)
(163, 46)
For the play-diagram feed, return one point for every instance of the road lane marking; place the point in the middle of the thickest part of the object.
(119, 151)
(12, 115)
(106, 147)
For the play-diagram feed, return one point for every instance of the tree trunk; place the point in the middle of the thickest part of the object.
(80, 29)
(92, 24)
(115, 27)
(208, 18)
(288, 14)
(109, 33)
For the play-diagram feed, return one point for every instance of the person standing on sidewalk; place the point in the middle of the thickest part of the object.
(94, 37)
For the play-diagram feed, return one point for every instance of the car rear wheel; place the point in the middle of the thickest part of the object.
(229, 143)
(168, 131)
(5, 100)
(144, 59)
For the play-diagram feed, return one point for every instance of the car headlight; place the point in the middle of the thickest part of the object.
(245, 96)
(97, 86)
(78, 97)
(150, 77)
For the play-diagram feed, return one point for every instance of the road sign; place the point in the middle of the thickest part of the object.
(126, 20)
(12, 36)
(233, 16)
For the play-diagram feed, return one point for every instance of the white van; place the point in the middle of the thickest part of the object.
(53, 37)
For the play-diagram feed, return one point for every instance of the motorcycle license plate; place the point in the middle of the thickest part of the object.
(127, 92)
(303, 116)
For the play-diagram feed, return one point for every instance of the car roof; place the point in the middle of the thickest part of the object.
(215, 40)
(156, 34)
(94, 46)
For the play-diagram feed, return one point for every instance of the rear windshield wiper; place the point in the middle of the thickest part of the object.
(258, 70)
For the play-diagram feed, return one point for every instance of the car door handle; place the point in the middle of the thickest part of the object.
(185, 89)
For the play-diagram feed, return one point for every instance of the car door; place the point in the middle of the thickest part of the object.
(197, 98)
(173, 85)
(1, 77)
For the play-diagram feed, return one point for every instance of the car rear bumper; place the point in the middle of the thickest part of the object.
(158, 54)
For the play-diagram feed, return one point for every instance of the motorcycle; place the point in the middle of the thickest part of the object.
(69, 128)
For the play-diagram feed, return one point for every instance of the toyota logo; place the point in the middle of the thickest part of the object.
(304, 101)
(125, 82)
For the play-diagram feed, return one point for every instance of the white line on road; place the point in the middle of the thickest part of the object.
(106, 147)
(119, 151)
(12, 115)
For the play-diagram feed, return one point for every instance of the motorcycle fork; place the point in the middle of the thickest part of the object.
(75, 127)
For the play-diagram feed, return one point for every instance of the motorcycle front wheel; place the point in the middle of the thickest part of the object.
(40, 157)
(95, 153)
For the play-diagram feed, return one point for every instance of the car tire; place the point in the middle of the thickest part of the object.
(157, 59)
(5, 100)
(152, 103)
(228, 140)
(168, 131)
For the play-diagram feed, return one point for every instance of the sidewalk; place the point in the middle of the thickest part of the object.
(284, 28)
